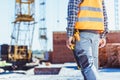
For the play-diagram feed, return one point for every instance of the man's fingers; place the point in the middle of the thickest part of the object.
(69, 42)
(102, 43)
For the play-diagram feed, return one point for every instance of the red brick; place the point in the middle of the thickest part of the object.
(61, 53)
(113, 37)
(110, 55)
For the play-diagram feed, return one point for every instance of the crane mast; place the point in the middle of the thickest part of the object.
(43, 28)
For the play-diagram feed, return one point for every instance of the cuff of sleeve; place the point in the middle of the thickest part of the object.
(70, 32)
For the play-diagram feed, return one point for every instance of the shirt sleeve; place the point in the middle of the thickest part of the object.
(105, 21)
(73, 8)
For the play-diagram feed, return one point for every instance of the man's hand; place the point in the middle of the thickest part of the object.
(69, 42)
(102, 42)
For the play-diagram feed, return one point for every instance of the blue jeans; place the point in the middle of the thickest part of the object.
(86, 52)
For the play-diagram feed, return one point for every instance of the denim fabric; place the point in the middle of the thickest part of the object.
(86, 51)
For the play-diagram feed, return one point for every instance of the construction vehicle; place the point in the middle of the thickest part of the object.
(19, 52)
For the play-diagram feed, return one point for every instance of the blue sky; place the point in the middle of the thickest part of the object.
(6, 18)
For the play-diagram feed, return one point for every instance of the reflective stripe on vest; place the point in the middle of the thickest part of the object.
(90, 8)
(90, 16)
(90, 19)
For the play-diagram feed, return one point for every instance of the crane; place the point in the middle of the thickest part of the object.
(20, 48)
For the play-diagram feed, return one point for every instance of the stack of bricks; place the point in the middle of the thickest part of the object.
(109, 56)
(61, 53)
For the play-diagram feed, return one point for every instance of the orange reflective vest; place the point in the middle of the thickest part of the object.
(90, 16)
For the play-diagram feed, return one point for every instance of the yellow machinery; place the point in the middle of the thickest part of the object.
(22, 35)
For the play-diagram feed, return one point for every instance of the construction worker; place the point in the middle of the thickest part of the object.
(87, 27)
